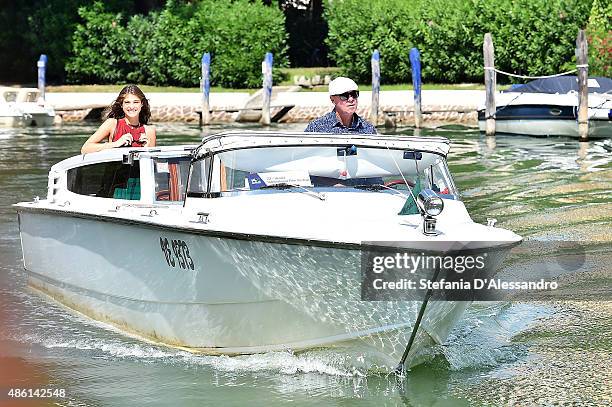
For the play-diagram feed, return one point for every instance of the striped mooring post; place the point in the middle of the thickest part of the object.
(490, 84)
(375, 86)
(415, 63)
(266, 70)
(205, 86)
(42, 70)
(582, 66)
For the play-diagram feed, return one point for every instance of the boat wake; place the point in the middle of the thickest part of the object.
(484, 337)
(481, 340)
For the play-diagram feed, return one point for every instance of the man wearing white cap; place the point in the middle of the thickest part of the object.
(343, 93)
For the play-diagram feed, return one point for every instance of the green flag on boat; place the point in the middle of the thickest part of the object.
(410, 207)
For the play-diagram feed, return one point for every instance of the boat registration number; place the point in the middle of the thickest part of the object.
(176, 253)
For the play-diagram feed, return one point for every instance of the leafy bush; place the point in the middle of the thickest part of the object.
(535, 37)
(599, 32)
(99, 47)
(165, 48)
(157, 42)
(243, 33)
(356, 28)
(532, 37)
(37, 27)
(50, 27)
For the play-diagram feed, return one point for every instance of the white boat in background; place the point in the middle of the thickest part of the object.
(549, 107)
(24, 107)
(251, 241)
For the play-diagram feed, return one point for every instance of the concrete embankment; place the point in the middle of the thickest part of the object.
(288, 106)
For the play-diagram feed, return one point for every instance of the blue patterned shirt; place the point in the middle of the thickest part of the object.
(329, 123)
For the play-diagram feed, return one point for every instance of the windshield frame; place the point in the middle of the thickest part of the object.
(212, 155)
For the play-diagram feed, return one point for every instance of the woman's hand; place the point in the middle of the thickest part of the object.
(124, 141)
(143, 140)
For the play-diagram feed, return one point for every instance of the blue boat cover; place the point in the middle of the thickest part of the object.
(562, 84)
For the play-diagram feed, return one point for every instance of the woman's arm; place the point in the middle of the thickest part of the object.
(151, 136)
(95, 141)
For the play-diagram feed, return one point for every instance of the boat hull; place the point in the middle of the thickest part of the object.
(545, 120)
(598, 129)
(35, 119)
(242, 296)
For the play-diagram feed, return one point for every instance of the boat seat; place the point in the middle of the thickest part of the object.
(130, 192)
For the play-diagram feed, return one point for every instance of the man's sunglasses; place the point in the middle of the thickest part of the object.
(344, 96)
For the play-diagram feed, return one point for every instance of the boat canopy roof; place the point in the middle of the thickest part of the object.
(255, 139)
(563, 84)
(114, 154)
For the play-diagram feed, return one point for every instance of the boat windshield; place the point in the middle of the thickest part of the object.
(343, 167)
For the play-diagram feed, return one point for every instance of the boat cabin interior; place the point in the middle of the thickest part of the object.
(120, 180)
(144, 175)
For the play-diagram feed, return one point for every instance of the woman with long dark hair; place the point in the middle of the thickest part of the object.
(126, 123)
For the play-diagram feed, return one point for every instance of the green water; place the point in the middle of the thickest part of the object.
(547, 353)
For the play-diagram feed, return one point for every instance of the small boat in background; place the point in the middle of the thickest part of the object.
(549, 107)
(24, 107)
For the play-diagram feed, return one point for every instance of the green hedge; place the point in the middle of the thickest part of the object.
(165, 48)
(99, 46)
(531, 37)
(599, 33)
(35, 27)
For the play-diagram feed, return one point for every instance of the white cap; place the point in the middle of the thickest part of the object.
(341, 85)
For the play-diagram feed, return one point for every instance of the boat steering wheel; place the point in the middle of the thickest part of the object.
(162, 195)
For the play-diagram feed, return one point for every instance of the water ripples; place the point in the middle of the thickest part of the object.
(542, 188)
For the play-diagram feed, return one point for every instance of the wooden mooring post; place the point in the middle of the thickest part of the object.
(490, 84)
(415, 63)
(205, 86)
(375, 86)
(266, 70)
(583, 86)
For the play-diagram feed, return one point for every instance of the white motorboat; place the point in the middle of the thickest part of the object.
(251, 241)
(24, 107)
(549, 107)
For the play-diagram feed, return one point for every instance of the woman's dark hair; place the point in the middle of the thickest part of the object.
(116, 109)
